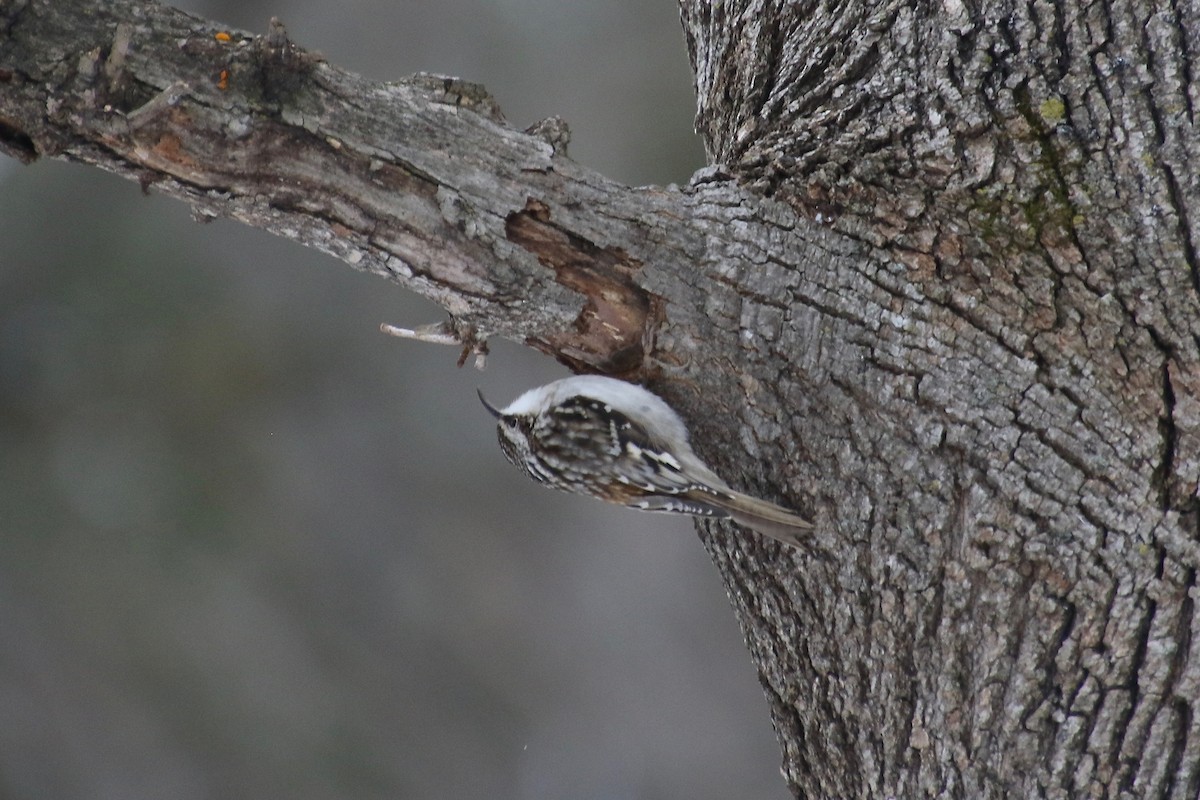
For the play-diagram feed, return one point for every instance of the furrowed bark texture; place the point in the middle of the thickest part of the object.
(1009, 389)
(941, 292)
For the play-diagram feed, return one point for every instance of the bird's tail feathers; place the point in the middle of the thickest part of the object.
(766, 518)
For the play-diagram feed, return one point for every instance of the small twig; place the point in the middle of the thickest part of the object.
(438, 333)
(445, 333)
(155, 106)
(277, 38)
(114, 67)
(554, 131)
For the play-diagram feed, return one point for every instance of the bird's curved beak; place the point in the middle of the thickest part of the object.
(495, 412)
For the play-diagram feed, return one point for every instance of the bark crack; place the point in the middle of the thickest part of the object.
(1125, 739)
(1183, 38)
(1180, 206)
(1162, 476)
(1179, 705)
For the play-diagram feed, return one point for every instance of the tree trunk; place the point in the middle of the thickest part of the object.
(1005, 389)
(940, 291)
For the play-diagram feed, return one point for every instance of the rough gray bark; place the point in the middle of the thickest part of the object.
(1016, 355)
(942, 293)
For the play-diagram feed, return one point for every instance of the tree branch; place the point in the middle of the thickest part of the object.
(419, 181)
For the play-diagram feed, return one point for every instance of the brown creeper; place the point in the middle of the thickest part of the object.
(620, 443)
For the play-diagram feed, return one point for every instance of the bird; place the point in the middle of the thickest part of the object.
(615, 441)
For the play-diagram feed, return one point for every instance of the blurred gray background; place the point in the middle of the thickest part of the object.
(251, 547)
